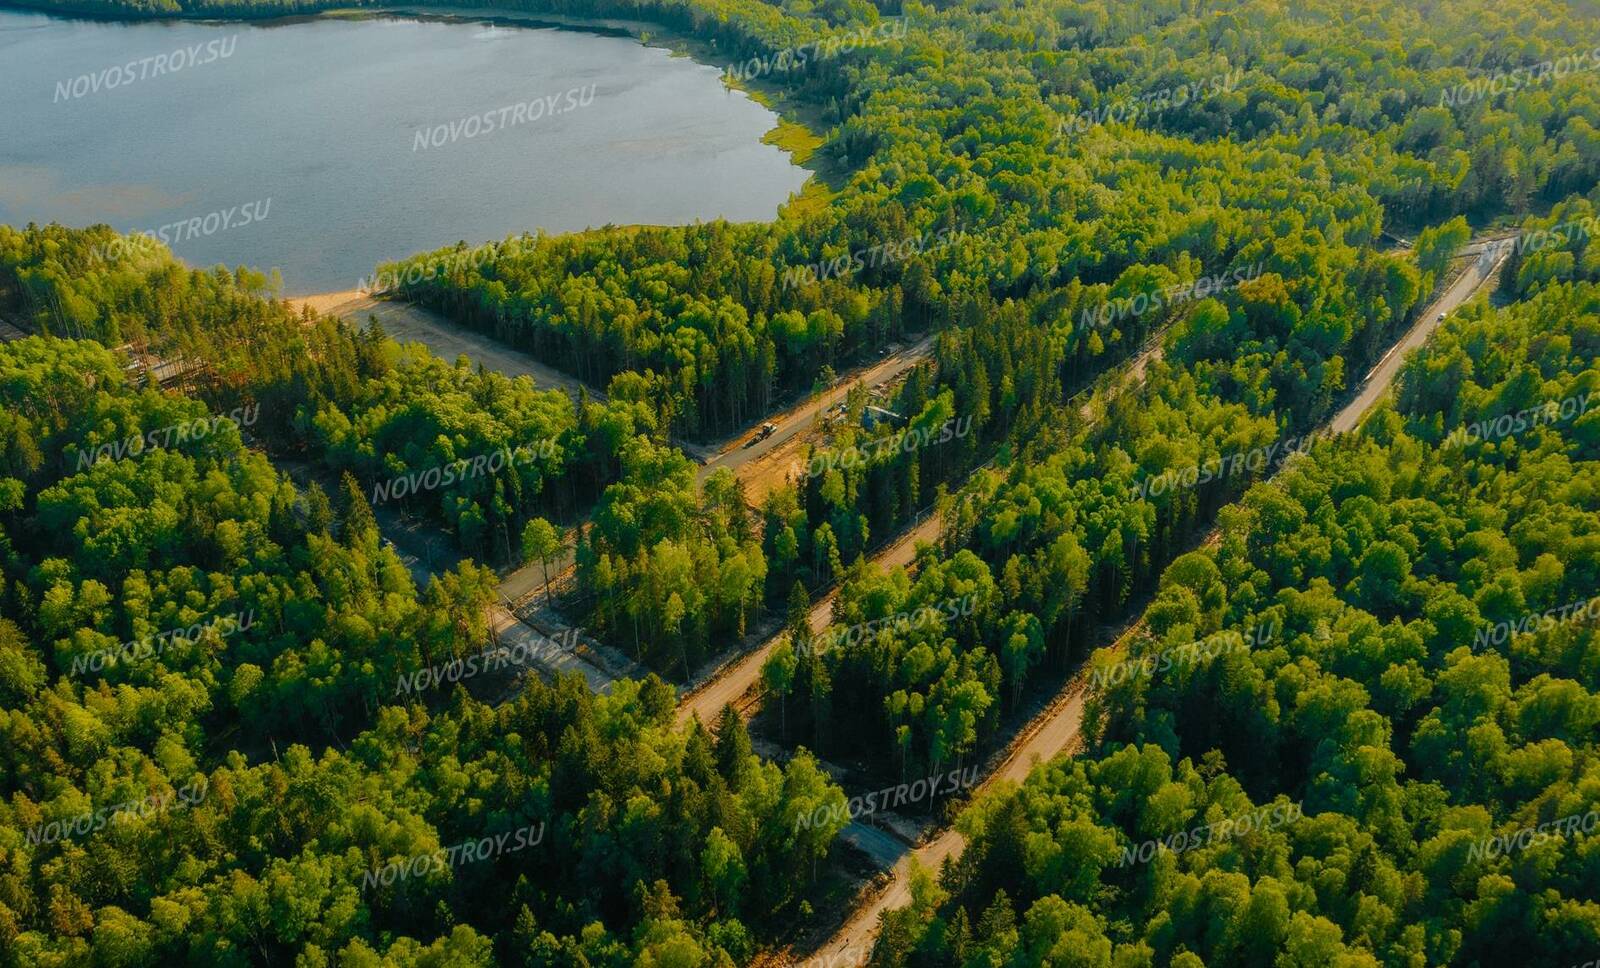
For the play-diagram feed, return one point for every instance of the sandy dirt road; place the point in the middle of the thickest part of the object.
(747, 447)
(1046, 736)
(549, 655)
(1480, 275)
(763, 464)
(408, 322)
(741, 675)
(706, 702)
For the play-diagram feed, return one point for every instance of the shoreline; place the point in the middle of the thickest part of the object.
(646, 32)
(494, 16)
(795, 131)
(800, 128)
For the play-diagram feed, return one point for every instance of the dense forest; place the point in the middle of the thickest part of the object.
(200, 653)
(201, 659)
(1430, 702)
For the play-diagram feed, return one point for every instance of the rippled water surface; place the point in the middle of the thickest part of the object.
(323, 147)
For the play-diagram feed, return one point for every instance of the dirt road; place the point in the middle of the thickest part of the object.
(528, 580)
(408, 322)
(8, 332)
(884, 848)
(1479, 275)
(548, 655)
(745, 448)
(1045, 737)
(707, 700)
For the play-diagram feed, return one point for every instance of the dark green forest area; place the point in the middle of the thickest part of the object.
(1427, 691)
(1433, 684)
(310, 775)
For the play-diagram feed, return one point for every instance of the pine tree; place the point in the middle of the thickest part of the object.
(733, 747)
(319, 510)
(358, 520)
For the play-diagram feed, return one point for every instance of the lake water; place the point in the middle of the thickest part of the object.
(322, 147)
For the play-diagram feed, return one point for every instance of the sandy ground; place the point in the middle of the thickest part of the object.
(796, 423)
(782, 464)
(410, 323)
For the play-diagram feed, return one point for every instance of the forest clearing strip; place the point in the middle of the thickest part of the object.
(734, 677)
(409, 322)
(743, 672)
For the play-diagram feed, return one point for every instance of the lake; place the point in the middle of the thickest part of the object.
(324, 146)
